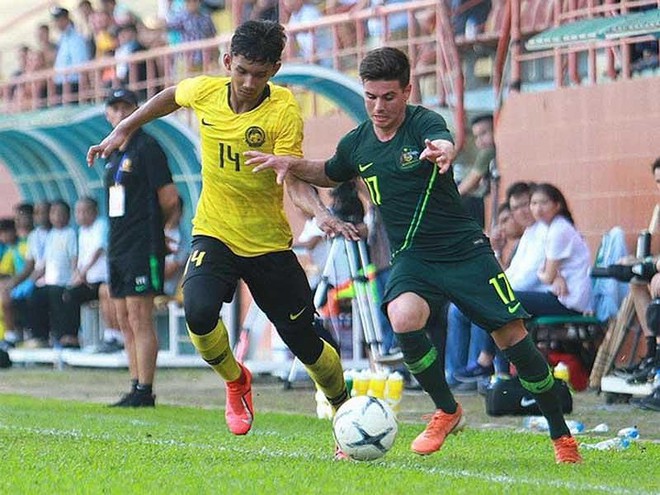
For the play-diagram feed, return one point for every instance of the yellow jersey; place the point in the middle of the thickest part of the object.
(242, 209)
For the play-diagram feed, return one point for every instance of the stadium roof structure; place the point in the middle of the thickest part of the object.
(45, 150)
(596, 29)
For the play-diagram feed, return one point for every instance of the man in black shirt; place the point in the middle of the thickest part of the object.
(141, 197)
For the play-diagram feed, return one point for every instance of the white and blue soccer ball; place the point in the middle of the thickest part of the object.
(365, 428)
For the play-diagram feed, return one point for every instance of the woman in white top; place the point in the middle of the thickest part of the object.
(567, 259)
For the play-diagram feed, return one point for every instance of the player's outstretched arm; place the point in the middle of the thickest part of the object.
(305, 197)
(311, 171)
(159, 105)
(440, 151)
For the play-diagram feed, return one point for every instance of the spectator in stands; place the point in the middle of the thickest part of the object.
(346, 32)
(22, 58)
(45, 45)
(468, 17)
(60, 260)
(72, 50)
(141, 199)
(34, 93)
(426, 55)
(195, 25)
(641, 293)
(473, 181)
(313, 46)
(397, 25)
(505, 235)
(85, 14)
(105, 42)
(90, 279)
(128, 44)
(264, 10)
(566, 259)
(11, 265)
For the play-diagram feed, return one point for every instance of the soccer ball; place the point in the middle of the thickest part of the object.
(364, 428)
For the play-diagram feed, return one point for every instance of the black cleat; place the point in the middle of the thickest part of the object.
(136, 399)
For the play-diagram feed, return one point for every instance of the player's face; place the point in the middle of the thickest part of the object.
(543, 208)
(386, 103)
(248, 78)
(117, 112)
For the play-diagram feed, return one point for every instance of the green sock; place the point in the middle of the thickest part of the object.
(328, 375)
(421, 359)
(535, 376)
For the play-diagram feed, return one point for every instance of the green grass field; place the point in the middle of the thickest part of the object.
(56, 446)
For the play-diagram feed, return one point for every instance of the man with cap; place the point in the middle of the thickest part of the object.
(141, 198)
(72, 49)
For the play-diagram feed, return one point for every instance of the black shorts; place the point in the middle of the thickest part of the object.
(477, 286)
(277, 282)
(136, 275)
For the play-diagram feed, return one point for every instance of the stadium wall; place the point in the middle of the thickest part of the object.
(596, 143)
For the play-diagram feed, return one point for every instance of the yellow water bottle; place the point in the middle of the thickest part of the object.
(377, 385)
(360, 383)
(394, 391)
(561, 372)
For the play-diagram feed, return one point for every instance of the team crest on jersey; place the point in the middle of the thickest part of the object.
(409, 158)
(126, 165)
(255, 137)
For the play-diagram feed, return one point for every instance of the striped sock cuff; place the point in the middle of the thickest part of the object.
(423, 363)
(543, 384)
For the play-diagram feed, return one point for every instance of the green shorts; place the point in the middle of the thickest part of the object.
(477, 286)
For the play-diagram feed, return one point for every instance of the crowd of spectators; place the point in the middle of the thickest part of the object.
(50, 266)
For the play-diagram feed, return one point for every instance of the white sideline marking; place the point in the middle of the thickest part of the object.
(267, 452)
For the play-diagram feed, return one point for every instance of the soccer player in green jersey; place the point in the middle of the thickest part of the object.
(403, 154)
(239, 229)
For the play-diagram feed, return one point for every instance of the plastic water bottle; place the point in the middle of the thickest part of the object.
(561, 372)
(600, 428)
(631, 432)
(348, 379)
(616, 443)
(394, 391)
(360, 383)
(575, 427)
(656, 379)
(535, 423)
(377, 385)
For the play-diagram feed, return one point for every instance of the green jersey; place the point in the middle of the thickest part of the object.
(421, 208)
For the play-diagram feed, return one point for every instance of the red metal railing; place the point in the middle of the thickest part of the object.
(439, 83)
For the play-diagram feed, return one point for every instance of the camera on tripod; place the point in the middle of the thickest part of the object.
(625, 273)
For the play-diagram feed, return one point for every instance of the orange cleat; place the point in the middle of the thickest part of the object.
(239, 412)
(440, 425)
(566, 450)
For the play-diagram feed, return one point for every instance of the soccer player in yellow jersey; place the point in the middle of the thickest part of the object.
(239, 229)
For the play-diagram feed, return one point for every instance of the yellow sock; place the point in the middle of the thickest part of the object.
(328, 375)
(214, 349)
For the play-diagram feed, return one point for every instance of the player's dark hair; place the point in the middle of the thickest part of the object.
(556, 196)
(484, 117)
(24, 209)
(259, 41)
(386, 64)
(518, 189)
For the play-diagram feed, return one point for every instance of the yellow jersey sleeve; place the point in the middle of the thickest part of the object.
(242, 209)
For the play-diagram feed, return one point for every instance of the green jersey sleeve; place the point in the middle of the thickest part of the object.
(430, 125)
(341, 167)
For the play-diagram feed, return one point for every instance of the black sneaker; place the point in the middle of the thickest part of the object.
(629, 371)
(651, 402)
(125, 400)
(644, 374)
(473, 373)
(136, 399)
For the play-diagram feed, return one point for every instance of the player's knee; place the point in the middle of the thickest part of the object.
(406, 317)
(201, 316)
